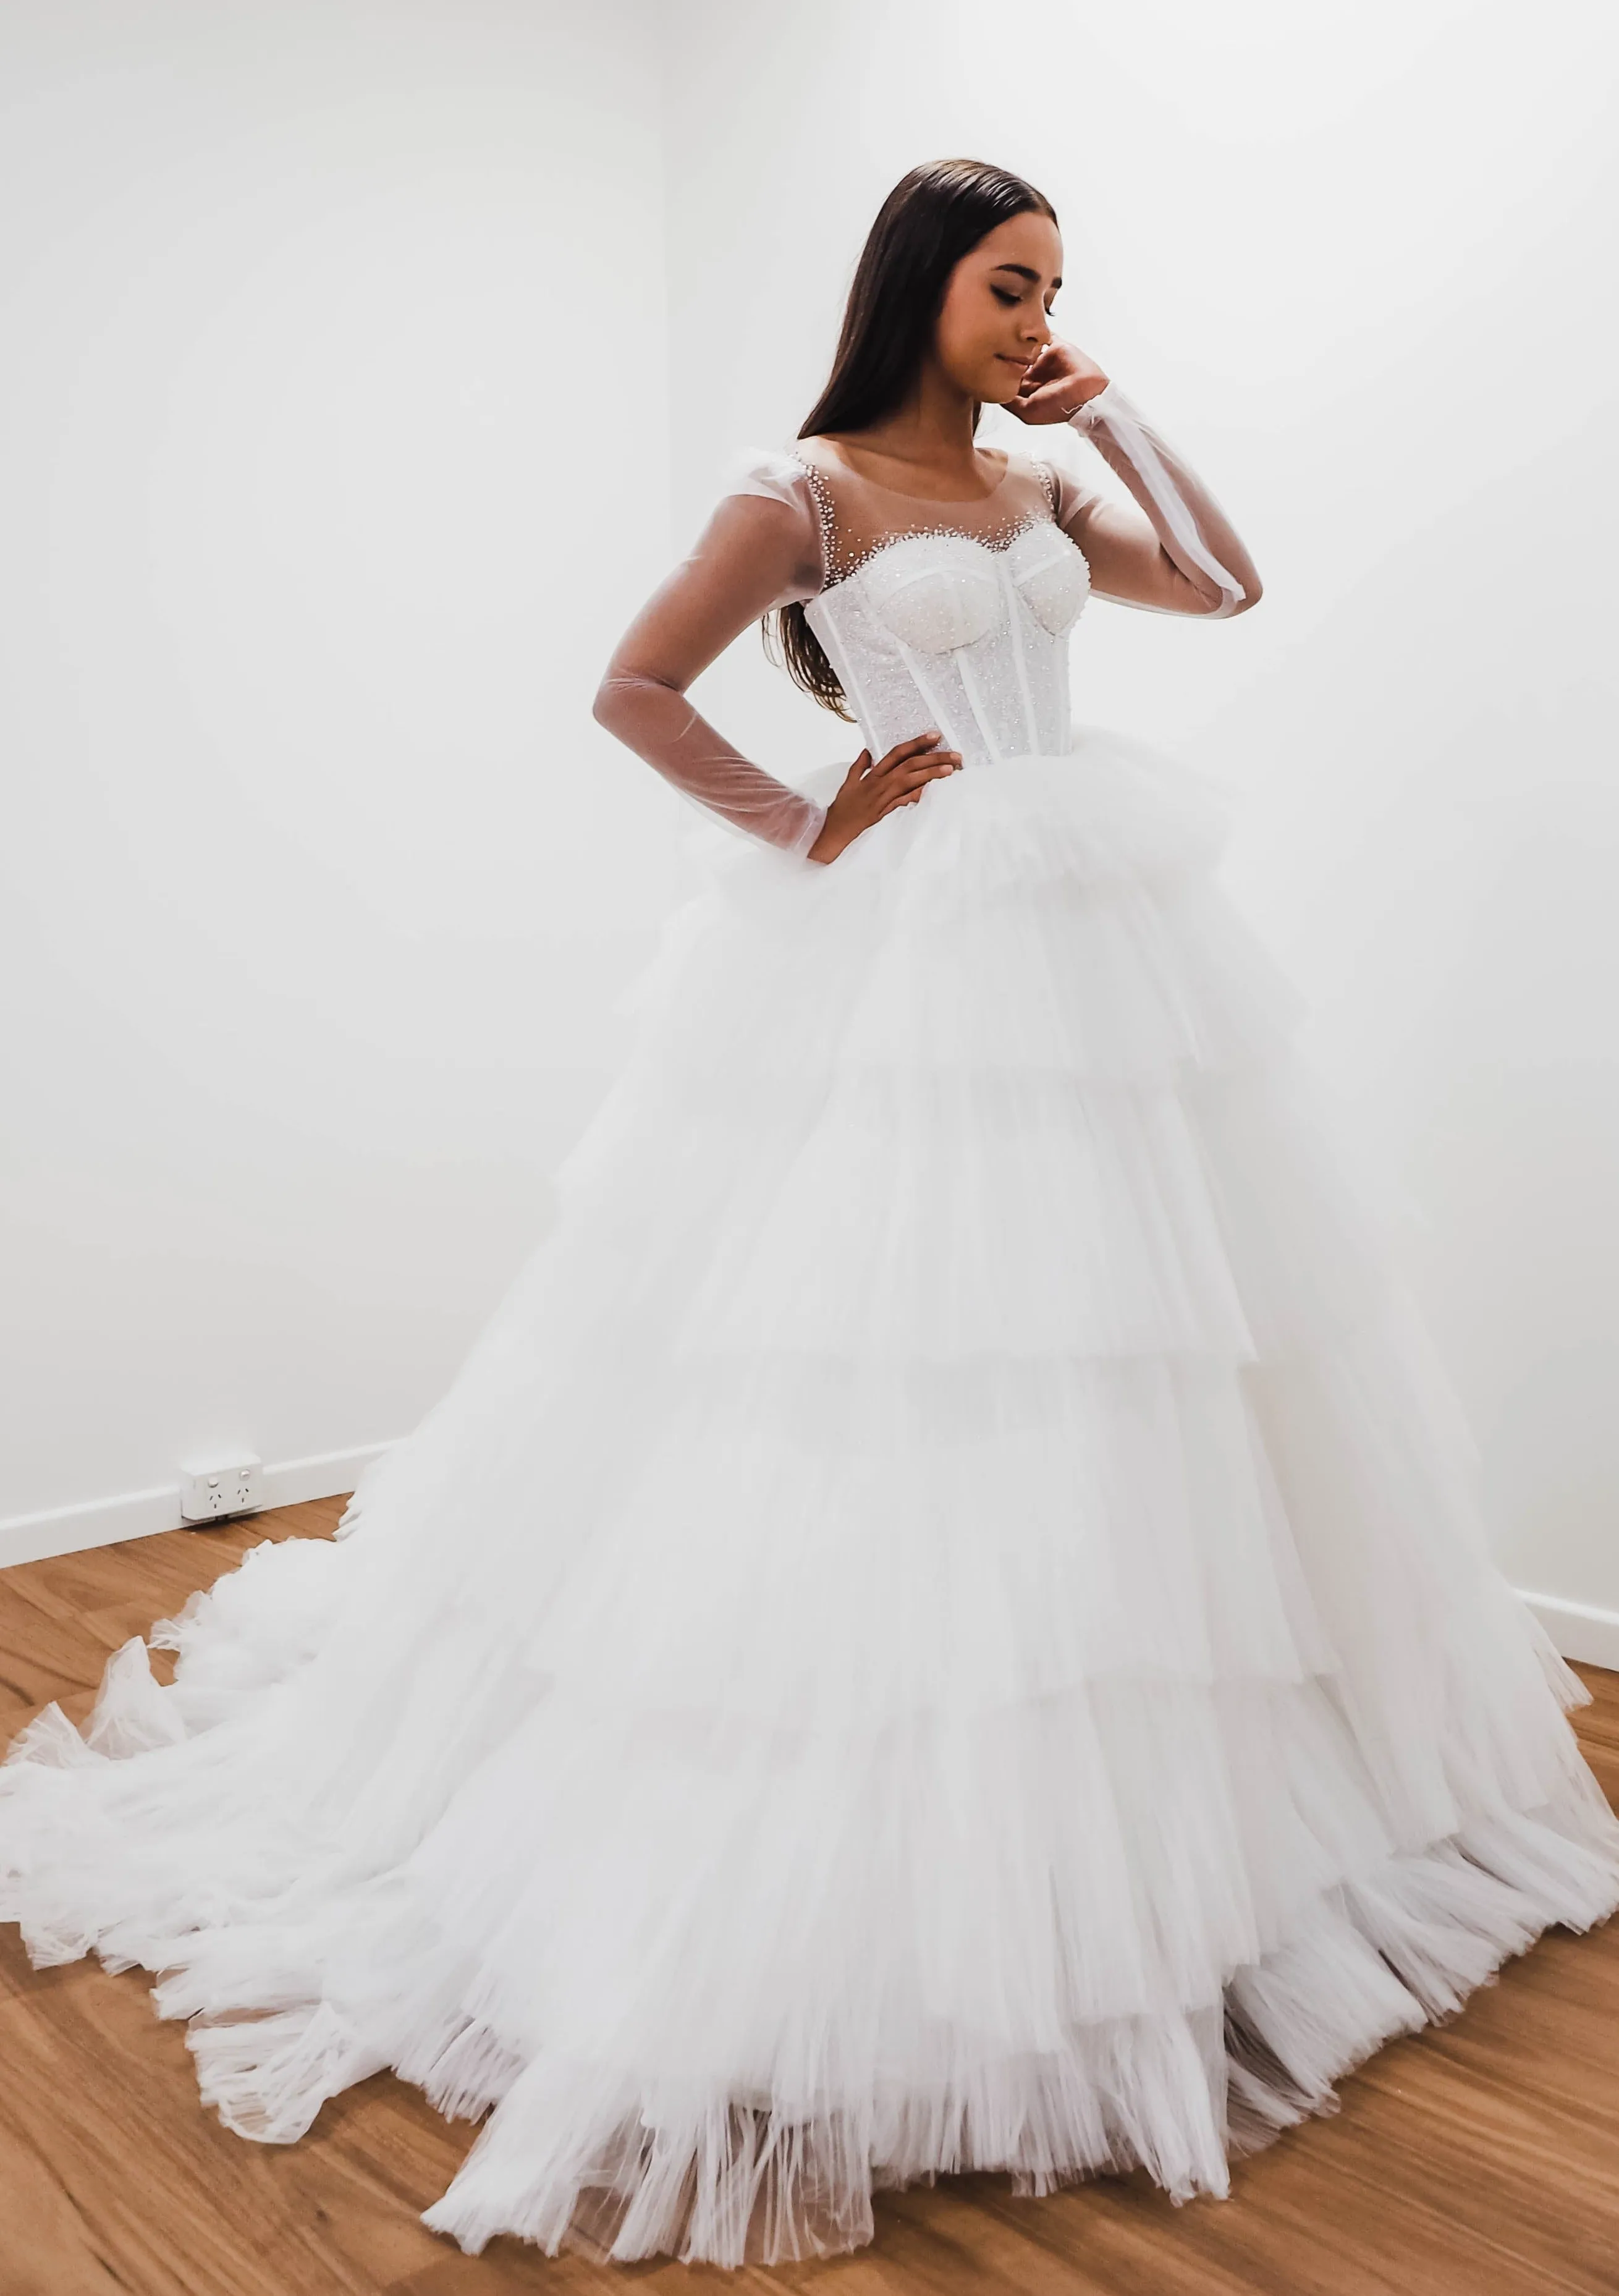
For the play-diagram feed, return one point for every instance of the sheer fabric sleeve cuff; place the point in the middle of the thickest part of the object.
(1208, 569)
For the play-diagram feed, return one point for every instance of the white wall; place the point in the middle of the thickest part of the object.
(318, 878)
(1356, 259)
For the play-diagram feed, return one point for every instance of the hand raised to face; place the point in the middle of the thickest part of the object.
(1057, 380)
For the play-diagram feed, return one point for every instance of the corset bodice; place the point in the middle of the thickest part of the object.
(944, 629)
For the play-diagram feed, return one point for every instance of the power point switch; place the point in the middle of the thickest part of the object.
(215, 1489)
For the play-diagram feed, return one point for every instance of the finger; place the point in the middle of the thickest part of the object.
(915, 744)
(921, 770)
(1049, 403)
(911, 787)
(903, 751)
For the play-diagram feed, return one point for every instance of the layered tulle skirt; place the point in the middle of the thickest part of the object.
(944, 1625)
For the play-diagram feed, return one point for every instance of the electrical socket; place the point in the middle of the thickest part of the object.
(214, 1489)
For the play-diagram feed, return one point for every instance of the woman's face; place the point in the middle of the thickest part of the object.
(996, 312)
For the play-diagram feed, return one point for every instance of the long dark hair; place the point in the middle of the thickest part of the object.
(931, 218)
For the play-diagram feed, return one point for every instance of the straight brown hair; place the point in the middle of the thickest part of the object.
(931, 218)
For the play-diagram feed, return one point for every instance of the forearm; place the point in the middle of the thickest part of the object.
(656, 720)
(1209, 568)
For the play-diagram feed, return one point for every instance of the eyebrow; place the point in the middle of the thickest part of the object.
(1024, 272)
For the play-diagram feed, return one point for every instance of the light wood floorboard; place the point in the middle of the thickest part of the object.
(1475, 2159)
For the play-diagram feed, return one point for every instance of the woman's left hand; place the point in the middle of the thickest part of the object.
(1056, 381)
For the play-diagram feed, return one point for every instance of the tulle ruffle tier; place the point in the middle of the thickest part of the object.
(944, 1625)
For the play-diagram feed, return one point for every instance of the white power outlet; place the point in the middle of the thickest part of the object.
(215, 1489)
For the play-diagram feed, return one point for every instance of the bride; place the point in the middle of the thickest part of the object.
(944, 1623)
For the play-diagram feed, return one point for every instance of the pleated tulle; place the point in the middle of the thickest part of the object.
(945, 1624)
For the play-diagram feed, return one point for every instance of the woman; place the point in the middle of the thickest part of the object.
(944, 1625)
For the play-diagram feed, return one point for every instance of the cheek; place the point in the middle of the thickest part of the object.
(968, 334)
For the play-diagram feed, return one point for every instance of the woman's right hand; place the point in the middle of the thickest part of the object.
(870, 791)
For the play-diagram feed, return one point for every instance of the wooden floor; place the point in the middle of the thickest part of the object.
(1481, 2159)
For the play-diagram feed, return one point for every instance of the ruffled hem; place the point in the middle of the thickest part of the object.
(1160, 1948)
(944, 1625)
(588, 2154)
(572, 2160)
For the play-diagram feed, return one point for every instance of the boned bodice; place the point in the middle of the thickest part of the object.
(944, 629)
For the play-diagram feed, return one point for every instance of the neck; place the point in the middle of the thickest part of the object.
(933, 426)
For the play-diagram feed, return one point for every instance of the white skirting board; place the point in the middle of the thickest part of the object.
(1581, 1630)
(136, 1514)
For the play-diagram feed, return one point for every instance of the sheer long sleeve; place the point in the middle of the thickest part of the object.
(1189, 559)
(760, 549)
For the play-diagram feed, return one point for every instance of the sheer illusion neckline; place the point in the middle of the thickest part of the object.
(930, 501)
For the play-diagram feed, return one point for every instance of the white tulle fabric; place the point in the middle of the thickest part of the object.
(944, 1625)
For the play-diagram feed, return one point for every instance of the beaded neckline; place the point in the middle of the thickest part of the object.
(836, 567)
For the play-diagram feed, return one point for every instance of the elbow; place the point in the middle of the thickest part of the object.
(1226, 607)
(625, 695)
(1253, 591)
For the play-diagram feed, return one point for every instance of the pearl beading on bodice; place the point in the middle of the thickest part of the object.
(940, 627)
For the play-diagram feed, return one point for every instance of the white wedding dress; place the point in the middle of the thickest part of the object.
(945, 1624)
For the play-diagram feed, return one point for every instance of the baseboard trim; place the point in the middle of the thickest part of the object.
(137, 1514)
(1581, 1630)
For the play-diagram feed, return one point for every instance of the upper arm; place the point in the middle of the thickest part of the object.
(760, 548)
